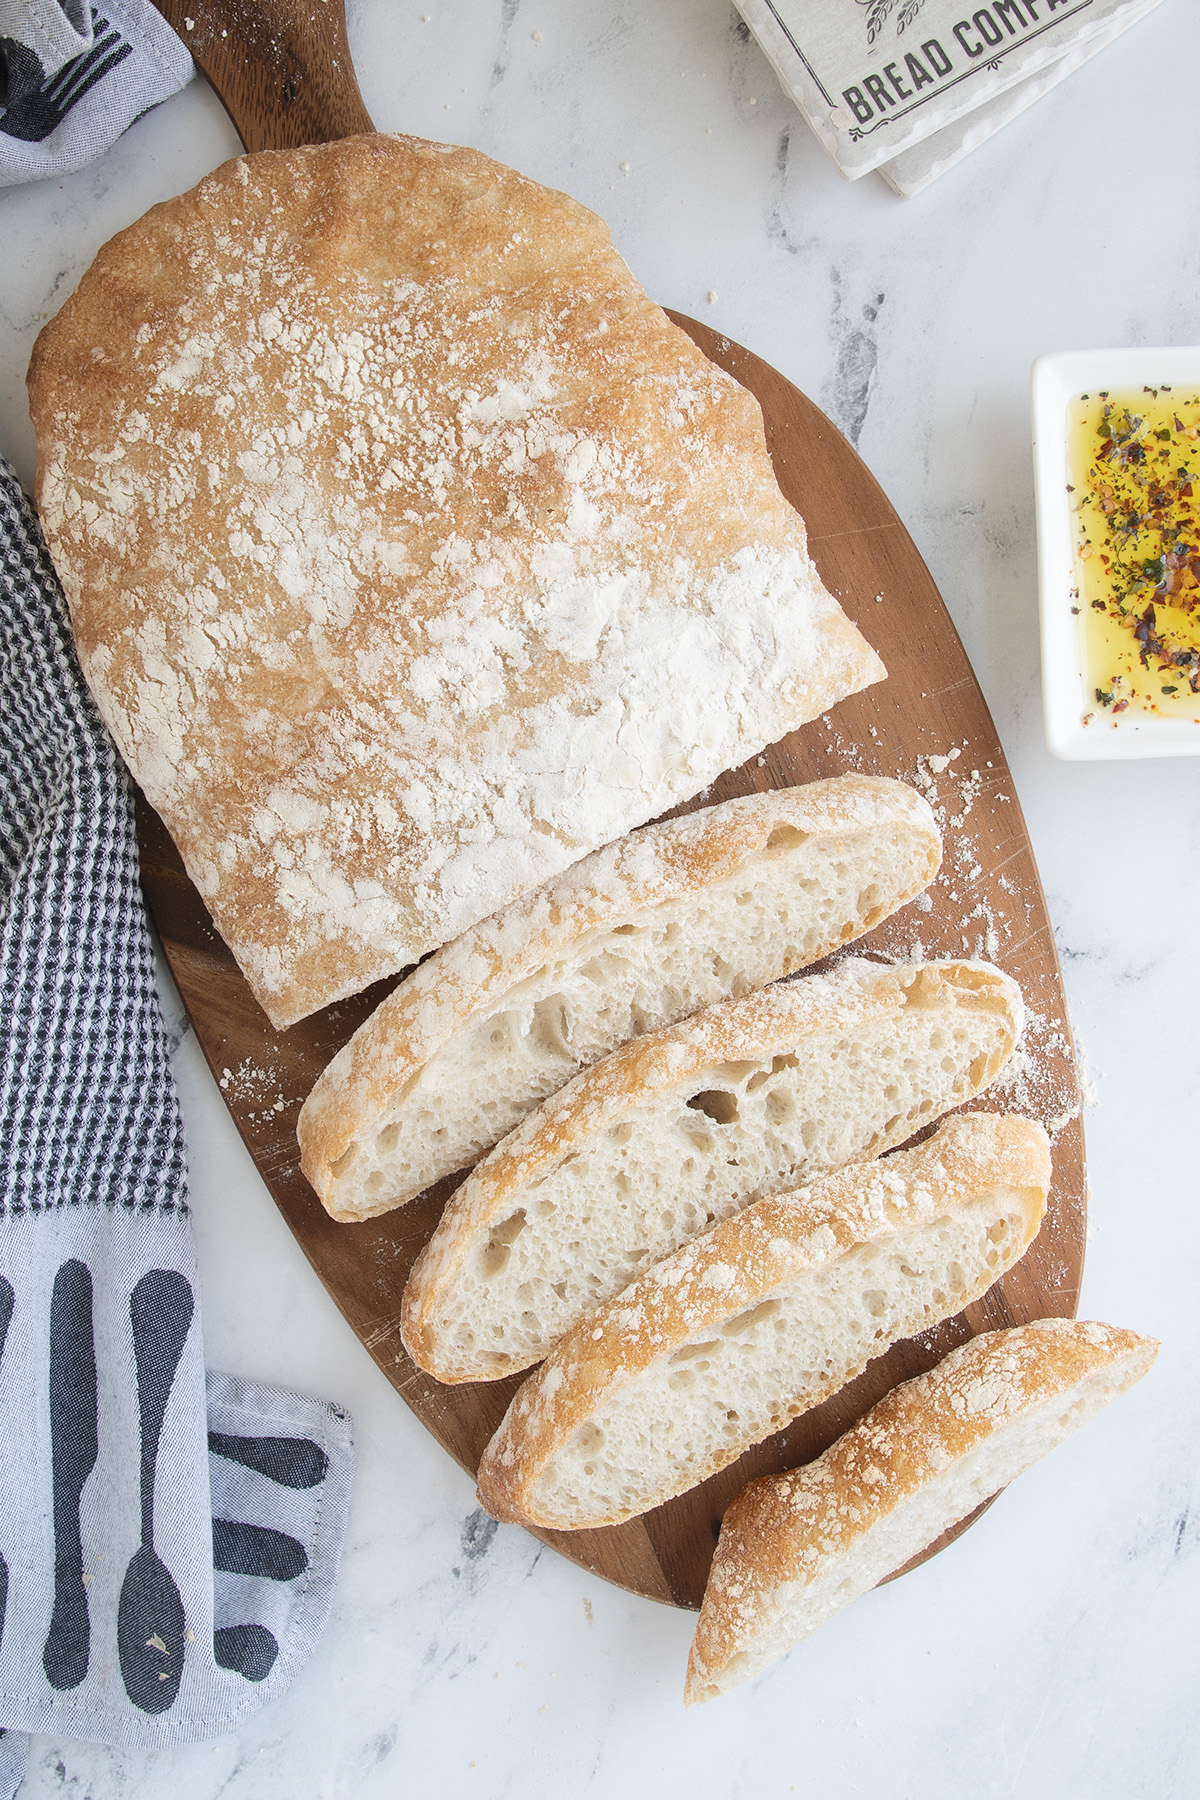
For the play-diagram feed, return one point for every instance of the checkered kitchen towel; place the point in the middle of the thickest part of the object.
(74, 76)
(167, 1550)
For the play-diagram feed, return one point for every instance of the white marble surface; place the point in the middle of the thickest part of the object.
(1053, 1652)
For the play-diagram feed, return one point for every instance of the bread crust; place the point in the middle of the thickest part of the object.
(411, 551)
(786, 1530)
(675, 860)
(760, 1025)
(743, 1261)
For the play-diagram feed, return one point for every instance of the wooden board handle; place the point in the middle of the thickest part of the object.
(281, 68)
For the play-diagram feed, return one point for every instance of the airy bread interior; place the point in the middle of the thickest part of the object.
(692, 1412)
(687, 1157)
(800, 898)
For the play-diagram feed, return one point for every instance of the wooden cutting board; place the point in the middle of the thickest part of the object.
(284, 74)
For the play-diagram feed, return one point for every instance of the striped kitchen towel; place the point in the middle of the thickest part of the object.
(168, 1544)
(74, 76)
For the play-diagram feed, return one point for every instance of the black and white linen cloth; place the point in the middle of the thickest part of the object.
(168, 1544)
(74, 76)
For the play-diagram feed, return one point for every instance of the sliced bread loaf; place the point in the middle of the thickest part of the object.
(670, 919)
(762, 1318)
(683, 1127)
(794, 1548)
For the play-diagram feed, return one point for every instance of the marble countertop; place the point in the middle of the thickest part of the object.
(1053, 1651)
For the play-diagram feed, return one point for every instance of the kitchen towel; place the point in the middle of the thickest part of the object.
(73, 77)
(168, 1544)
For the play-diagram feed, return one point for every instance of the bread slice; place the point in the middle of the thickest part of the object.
(794, 1548)
(682, 1128)
(764, 1317)
(673, 918)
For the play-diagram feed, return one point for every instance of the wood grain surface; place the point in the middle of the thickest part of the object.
(284, 73)
(281, 68)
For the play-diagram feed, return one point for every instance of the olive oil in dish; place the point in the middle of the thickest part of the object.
(1134, 462)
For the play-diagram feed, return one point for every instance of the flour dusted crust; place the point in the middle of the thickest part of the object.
(669, 919)
(623, 1131)
(795, 1547)
(977, 1166)
(411, 552)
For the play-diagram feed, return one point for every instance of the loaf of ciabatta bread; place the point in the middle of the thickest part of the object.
(765, 1316)
(412, 552)
(795, 1548)
(672, 918)
(683, 1127)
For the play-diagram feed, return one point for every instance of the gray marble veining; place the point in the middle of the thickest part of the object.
(1052, 1653)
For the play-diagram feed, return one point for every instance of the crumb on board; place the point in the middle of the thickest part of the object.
(251, 1081)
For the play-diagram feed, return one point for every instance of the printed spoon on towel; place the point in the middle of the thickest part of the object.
(150, 1621)
(74, 1446)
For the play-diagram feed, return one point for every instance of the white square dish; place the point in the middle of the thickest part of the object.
(1057, 381)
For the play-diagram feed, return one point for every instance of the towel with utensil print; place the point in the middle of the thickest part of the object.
(74, 76)
(168, 1543)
